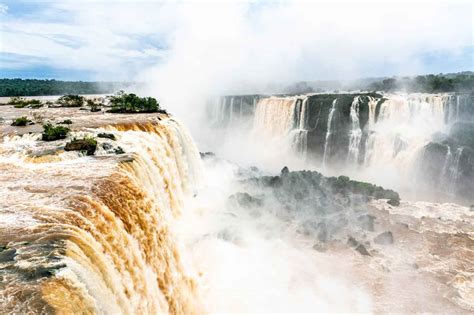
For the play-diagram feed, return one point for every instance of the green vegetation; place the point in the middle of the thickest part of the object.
(21, 121)
(95, 106)
(23, 87)
(51, 133)
(66, 122)
(71, 100)
(106, 135)
(20, 102)
(131, 103)
(462, 82)
(346, 186)
(88, 144)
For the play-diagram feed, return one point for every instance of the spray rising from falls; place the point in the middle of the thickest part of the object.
(94, 234)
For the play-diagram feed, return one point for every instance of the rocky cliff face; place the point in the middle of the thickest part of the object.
(423, 138)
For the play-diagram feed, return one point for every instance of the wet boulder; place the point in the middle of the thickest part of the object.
(385, 238)
(89, 145)
(106, 135)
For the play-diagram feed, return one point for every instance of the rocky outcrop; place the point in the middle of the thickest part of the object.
(86, 144)
(324, 208)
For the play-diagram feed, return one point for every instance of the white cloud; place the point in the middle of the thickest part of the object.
(3, 8)
(207, 45)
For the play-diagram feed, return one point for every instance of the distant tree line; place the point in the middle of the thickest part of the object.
(450, 82)
(33, 87)
(462, 82)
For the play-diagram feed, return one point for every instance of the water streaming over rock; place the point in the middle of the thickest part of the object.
(94, 234)
(355, 133)
(370, 132)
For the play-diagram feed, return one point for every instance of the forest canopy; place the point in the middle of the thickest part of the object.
(33, 87)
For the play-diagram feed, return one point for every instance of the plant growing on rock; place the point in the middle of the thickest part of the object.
(20, 102)
(87, 144)
(131, 103)
(21, 121)
(71, 100)
(51, 133)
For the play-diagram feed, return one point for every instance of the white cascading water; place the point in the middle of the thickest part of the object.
(100, 226)
(355, 133)
(396, 134)
(405, 124)
(453, 168)
(329, 131)
(283, 118)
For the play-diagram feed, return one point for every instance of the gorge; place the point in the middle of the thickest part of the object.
(148, 224)
(422, 142)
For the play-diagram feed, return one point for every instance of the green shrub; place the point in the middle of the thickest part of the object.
(71, 100)
(20, 102)
(131, 103)
(87, 144)
(21, 121)
(51, 133)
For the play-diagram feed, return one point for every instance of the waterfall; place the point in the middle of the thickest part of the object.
(284, 117)
(453, 170)
(241, 105)
(446, 165)
(372, 108)
(404, 125)
(457, 107)
(94, 234)
(275, 116)
(355, 135)
(328, 132)
(231, 111)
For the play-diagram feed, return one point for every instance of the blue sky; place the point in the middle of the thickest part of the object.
(239, 41)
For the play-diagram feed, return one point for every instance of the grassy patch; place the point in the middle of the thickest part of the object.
(51, 133)
(87, 144)
(21, 121)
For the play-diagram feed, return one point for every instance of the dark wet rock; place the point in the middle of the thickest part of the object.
(322, 208)
(106, 135)
(362, 250)
(285, 171)
(7, 255)
(107, 146)
(463, 134)
(366, 222)
(323, 234)
(87, 144)
(41, 272)
(119, 150)
(319, 247)
(162, 111)
(205, 155)
(352, 242)
(246, 200)
(385, 238)
(394, 202)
